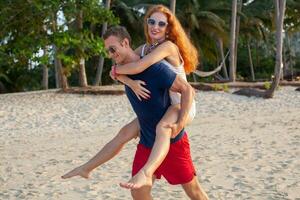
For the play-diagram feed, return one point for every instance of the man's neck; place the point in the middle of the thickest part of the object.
(131, 57)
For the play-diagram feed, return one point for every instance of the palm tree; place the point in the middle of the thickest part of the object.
(279, 13)
(292, 27)
(221, 47)
(98, 80)
(205, 27)
(173, 5)
(232, 71)
(252, 28)
(279, 18)
(60, 75)
(238, 21)
(79, 27)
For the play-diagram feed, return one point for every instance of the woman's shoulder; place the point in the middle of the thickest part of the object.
(169, 44)
(140, 49)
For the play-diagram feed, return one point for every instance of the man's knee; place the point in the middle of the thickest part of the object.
(125, 134)
(194, 190)
(195, 195)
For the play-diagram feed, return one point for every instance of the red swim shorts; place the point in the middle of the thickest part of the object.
(177, 168)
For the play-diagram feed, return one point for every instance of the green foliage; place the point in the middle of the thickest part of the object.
(28, 28)
(220, 87)
(267, 85)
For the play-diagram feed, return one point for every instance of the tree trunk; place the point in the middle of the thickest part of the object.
(57, 73)
(82, 73)
(237, 31)
(289, 62)
(56, 67)
(173, 6)
(232, 74)
(224, 68)
(45, 74)
(256, 55)
(284, 65)
(60, 77)
(2, 88)
(98, 78)
(280, 9)
(250, 61)
(45, 77)
(63, 77)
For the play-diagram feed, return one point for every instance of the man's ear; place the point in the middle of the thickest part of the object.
(126, 42)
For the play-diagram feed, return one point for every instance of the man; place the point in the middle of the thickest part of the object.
(177, 168)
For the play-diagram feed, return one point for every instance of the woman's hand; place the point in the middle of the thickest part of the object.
(112, 76)
(113, 73)
(176, 128)
(139, 90)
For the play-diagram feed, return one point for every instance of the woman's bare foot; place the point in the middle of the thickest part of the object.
(78, 171)
(139, 180)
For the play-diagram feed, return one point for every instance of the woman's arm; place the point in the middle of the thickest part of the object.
(162, 51)
(125, 80)
(136, 86)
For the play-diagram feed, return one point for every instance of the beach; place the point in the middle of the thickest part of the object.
(242, 148)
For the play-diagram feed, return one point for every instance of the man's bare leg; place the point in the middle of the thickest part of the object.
(194, 191)
(112, 148)
(158, 153)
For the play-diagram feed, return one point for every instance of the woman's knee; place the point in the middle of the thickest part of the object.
(161, 128)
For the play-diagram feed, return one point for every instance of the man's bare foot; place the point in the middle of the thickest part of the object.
(78, 171)
(139, 180)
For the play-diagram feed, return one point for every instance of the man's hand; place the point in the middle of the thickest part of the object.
(176, 128)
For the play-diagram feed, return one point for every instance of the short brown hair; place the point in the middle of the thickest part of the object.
(119, 32)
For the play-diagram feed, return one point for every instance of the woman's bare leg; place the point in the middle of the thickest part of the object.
(112, 148)
(143, 193)
(158, 152)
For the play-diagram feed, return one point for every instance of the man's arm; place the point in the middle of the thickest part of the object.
(187, 95)
(124, 79)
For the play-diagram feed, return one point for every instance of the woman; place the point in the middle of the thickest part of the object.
(168, 43)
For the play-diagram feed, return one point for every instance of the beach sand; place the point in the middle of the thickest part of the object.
(242, 148)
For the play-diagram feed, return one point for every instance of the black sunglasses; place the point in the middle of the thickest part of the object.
(111, 50)
(152, 22)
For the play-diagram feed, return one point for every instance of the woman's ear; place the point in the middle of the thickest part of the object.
(167, 32)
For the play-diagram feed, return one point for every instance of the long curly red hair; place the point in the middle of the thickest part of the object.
(177, 35)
